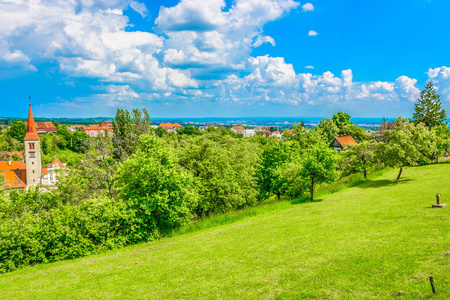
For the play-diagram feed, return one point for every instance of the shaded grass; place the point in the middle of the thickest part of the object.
(378, 240)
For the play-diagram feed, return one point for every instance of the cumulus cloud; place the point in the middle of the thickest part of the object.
(440, 77)
(198, 50)
(308, 7)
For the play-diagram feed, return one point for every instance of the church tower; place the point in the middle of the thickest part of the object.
(32, 152)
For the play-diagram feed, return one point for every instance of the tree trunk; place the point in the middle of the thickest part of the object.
(279, 196)
(365, 173)
(312, 189)
(399, 174)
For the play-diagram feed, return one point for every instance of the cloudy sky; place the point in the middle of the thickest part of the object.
(216, 58)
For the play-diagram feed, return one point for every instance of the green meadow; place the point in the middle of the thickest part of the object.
(377, 240)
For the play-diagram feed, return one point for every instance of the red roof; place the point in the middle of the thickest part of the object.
(170, 125)
(238, 128)
(56, 161)
(14, 172)
(31, 127)
(7, 155)
(346, 140)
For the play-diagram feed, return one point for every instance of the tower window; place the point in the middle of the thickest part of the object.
(32, 155)
(31, 146)
(33, 171)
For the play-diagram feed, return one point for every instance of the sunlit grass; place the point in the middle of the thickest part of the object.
(378, 240)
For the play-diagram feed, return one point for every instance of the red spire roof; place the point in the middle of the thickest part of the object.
(31, 127)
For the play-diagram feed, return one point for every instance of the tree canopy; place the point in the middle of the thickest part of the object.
(428, 108)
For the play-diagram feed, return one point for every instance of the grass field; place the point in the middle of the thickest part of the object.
(379, 240)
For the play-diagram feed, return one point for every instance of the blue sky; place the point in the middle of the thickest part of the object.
(215, 58)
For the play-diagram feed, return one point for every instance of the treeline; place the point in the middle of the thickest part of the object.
(142, 183)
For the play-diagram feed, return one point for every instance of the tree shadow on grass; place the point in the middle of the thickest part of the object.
(383, 183)
(303, 200)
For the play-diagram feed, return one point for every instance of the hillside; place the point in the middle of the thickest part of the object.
(378, 240)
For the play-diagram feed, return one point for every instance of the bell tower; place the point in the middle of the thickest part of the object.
(32, 152)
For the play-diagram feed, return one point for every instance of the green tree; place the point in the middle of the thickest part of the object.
(288, 180)
(407, 145)
(127, 128)
(189, 130)
(428, 109)
(341, 119)
(156, 189)
(329, 129)
(318, 165)
(359, 158)
(358, 133)
(18, 130)
(274, 154)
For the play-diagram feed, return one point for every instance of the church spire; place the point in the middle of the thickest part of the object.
(31, 127)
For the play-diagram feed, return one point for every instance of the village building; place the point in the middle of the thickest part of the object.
(276, 134)
(342, 142)
(94, 130)
(29, 172)
(44, 127)
(245, 132)
(171, 127)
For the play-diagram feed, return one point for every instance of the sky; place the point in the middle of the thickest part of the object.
(215, 58)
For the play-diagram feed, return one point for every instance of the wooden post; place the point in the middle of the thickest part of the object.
(432, 285)
(438, 198)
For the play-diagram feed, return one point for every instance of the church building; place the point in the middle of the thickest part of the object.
(29, 173)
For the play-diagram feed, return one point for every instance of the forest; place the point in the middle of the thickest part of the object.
(141, 183)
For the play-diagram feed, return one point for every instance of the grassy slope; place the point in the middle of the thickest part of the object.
(378, 240)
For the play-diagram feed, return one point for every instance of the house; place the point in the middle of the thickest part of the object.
(50, 174)
(26, 173)
(238, 129)
(276, 134)
(342, 142)
(170, 127)
(241, 130)
(44, 127)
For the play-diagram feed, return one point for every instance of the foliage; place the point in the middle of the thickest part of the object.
(18, 130)
(127, 128)
(341, 119)
(329, 129)
(288, 180)
(156, 189)
(359, 158)
(224, 169)
(407, 145)
(189, 130)
(428, 109)
(274, 154)
(358, 133)
(318, 165)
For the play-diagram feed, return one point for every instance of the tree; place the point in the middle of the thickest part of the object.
(319, 165)
(329, 129)
(157, 189)
(341, 119)
(275, 153)
(18, 130)
(100, 166)
(428, 109)
(358, 133)
(407, 145)
(360, 157)
(189, 130)
(127, 128)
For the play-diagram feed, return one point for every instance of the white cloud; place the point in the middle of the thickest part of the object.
(200, 51)
(440, 77)
(308, 7)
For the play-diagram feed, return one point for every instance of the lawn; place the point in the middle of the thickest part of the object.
(378, 240)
